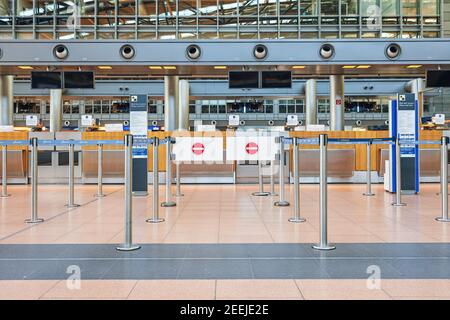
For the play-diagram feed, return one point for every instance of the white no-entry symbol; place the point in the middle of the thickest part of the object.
(251, 148)
(198, 148)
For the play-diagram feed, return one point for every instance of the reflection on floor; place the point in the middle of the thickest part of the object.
(410, 248)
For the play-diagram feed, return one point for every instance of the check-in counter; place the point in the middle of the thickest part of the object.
(17, 158)
(113, 158)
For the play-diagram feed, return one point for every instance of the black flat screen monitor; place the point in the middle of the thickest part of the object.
(243, 79)
(438, 78)
(78, 80)
(46, 80)
(276, 79)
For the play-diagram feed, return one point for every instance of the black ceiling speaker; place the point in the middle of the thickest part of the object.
(393, 51)
(326, 51)
(127, 52)
(60, 52)
(260, 51)
(193, 52)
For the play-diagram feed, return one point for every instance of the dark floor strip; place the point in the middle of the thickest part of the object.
(226, 261)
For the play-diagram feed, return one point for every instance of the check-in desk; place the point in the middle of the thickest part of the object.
(113, 164)
(341, 163)
(429, 162)
(203, 172)
(53, 161)
(16, 165)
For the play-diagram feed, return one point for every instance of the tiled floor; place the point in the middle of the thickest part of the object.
(212, 214)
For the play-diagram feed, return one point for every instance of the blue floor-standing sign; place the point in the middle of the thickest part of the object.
(138, 128)
(404, 124)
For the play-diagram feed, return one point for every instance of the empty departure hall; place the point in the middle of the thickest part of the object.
(224, 150)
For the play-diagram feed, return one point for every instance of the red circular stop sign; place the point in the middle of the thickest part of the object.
(251, 148)
(198, 148)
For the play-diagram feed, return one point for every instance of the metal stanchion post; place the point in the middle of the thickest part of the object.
(71, 203)
(34, 182)
(100, 172)
(281, 202)
(178, 177)
(398, 176)
(155, 218)
(168, 202)
(260, 182)
(4, 172)
(296, 217)
(369, 171)
(323, 181)
(128, 244)
(444, 180)
(272, 178)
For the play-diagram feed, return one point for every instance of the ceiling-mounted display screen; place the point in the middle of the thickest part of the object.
(78, 80)
(46, 80)
(243, 79)
(276, 79)
(438, 78)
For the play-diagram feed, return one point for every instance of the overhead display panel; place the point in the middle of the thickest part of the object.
(276, 79)
(46, 80)
(438, 78)
(243, 79)
(78, 80)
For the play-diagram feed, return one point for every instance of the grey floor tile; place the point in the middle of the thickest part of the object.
(287, 269)
(423, 269)
(403, 249)
(63, 269)
(357, 268)
(19, 270)
(144, 269)
(216, 251)
(31, 251)
(283, 250)
(216, 269)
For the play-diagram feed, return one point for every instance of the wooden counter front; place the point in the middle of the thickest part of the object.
(17, 135)
(360, 149)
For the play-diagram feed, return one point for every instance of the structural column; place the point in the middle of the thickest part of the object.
(311, 101)
(171, 102)
(6, 100)
(55, 110)
(417, 86)
(183, 106)
(337, 102)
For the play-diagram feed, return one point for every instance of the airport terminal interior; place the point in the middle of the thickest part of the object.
(224, 149)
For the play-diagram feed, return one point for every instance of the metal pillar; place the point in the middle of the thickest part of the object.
(168, 202)
(272, 178)
(261, 191)
(311, 101)
(323, 186)
(369, 171)
(281, 202)
(100, 193)
(128, 243)
(444, 181)
(398, 176)
(72, 203)
(417, 86)
(183, 106)
(155, 204)
(171, 101)
(178, 178)
(56, 97)
(337, 102)
(34, 182)
(4, 172)
(296, 217)
(6, 100)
